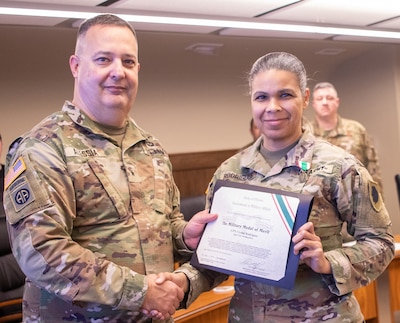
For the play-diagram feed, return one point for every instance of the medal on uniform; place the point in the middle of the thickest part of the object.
(304, 167)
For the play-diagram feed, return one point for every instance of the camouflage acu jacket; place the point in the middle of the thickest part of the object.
(353, 137)
(343, 190)
(88, 219)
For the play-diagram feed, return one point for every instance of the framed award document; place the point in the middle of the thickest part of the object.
(252, 237)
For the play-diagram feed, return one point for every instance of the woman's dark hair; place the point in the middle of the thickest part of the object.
(280, 61)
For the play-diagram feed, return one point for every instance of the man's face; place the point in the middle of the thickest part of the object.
(325, 102)
(106, 70)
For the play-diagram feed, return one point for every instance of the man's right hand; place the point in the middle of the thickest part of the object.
(164, 298)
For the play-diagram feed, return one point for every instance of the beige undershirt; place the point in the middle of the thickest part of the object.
(272, 157)
(116, 133)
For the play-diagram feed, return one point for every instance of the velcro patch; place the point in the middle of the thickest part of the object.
(21, 194)
(374, 196)
(17, 169)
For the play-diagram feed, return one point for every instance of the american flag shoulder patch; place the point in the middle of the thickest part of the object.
(17, 169)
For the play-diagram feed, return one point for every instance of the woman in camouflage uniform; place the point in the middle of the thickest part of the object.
(343, 191)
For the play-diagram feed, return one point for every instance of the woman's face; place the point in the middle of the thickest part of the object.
(277, 105)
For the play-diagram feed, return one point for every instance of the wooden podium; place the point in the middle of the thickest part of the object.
(209, 307)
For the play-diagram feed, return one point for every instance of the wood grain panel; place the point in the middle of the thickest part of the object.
(367, 298)
(193, 171)
(394, 282)
(209, 307)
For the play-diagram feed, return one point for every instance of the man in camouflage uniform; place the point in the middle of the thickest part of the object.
(288, 157)
(345, 133)
(92, 207)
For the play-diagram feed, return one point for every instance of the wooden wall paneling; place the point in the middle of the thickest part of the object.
(394, 283)
(193, 171)
(367, 298)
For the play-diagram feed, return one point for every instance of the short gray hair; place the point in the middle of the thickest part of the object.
(324, 85)
(104, 19)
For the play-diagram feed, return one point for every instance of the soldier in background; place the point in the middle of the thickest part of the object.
(92, 208)
(345, 133)
(255, 133)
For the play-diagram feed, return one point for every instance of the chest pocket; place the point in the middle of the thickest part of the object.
(151, 184)
(97, 198)
(115, 195)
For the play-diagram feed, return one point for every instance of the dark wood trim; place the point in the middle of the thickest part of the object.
(10, 317)
(200, 160)
(193, 171)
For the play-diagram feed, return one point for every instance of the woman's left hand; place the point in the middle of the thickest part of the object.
(309, 246)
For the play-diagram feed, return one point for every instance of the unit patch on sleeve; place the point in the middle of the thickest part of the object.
(17, 169)
(374, 196)
(21, 194)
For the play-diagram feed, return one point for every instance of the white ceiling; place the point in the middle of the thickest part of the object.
(372, 14)
(321, 53)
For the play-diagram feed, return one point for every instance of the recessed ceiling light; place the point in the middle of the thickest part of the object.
(205, 48)
(330, 51)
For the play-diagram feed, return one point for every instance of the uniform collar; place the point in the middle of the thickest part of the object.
(252, 160)
(133, 132)
(337, 131)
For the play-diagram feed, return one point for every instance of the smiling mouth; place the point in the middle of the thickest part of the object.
(115, 89)
(275, 120)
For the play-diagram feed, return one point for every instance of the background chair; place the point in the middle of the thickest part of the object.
(191, 205)
(397, 180)
(12, 279)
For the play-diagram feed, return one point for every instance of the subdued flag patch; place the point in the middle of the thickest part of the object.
(17, 169)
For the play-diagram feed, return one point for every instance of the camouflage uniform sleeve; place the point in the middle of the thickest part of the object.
(40, 208)
(182, 252)
(373, 162)
(180, 247)
(199, 280)
(358, 198)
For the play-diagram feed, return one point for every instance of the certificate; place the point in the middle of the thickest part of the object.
(252, 237)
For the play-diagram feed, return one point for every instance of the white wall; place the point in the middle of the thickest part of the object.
(193, 103)
(200, 103)
(190, 102)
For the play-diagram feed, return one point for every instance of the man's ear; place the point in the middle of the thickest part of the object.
(73, 65)
(306, 98)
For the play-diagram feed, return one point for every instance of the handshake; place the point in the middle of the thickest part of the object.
(165, 292)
